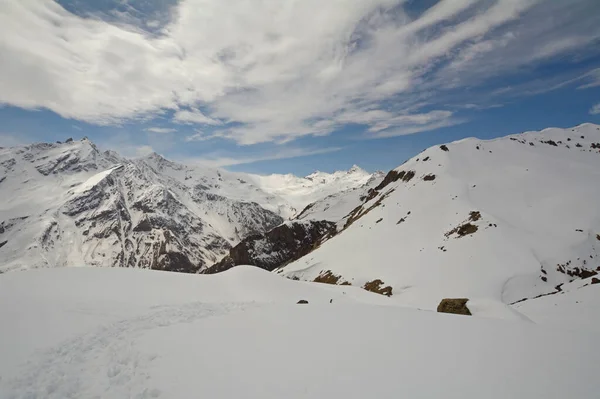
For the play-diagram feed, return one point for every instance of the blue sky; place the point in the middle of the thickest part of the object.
(289, 86)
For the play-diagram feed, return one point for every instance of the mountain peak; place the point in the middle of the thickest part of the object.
(356, 169)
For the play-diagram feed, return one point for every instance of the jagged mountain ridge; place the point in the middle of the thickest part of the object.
(69, 204)
(501, 219)
(302, 191)
(299, 236)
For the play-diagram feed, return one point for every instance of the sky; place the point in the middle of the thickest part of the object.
(293, 86)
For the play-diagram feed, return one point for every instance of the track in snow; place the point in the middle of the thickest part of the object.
(105, 360)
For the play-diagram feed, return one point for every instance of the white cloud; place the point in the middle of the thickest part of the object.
(277, 71)
(595, 110)
(11, 140)
(198, 136)
(593, 78)
(193, 116)
(160, 130)
(126, 144)
(218, 160)
(417, 127)
(143, 150)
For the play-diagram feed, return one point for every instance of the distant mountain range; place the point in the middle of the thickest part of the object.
(69, 204)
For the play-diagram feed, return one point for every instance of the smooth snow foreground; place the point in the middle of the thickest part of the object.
(122, 333)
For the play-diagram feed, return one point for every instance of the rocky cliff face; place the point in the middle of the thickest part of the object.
(277, 247)
(70, 204)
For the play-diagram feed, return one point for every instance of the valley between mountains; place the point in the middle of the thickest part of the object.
(146, 278)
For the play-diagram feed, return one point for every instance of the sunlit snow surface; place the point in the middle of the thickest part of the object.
(122, 333)
(537, 195)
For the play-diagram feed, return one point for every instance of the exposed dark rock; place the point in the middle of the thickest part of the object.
(175, 262)
(455, 306)
(408, 176)
(277, 247)
(444, 148)
(474, 216)
(595, 280)
(302, 302)
(391, 177)
(143, 225)
(376, 287)
(463, 230)
(550, 142)
(3, 243)
(429, 177)
(327, 277)
(306, 209)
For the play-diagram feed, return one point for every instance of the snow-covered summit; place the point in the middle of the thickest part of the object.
(302, 191)
(502, 219)
(69, 204)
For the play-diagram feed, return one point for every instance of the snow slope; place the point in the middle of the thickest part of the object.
(69, 204)
(335, 207)
(576, 307)
(65, 334)
(532, 199)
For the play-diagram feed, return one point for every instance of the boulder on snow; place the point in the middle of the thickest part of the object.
(376, 287)
(302, 302)
(454, 305)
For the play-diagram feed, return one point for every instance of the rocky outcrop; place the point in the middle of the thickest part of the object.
(455, 306)
(277, 247)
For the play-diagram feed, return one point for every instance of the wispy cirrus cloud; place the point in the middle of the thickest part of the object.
(595, 110)
(592, 78)
(11, 140)
(197, 136)
(194, 116)
(160, 130)
(220, 160)
(277, 71)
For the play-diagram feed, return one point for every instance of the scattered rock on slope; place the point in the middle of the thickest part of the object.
(327, 277)
(376, 286)
(454, 305)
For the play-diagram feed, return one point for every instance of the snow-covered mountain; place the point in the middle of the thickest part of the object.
(334, 207)
(297, 237)
(502, 219)
(510, 224)
(69, 204)
(302, 191)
